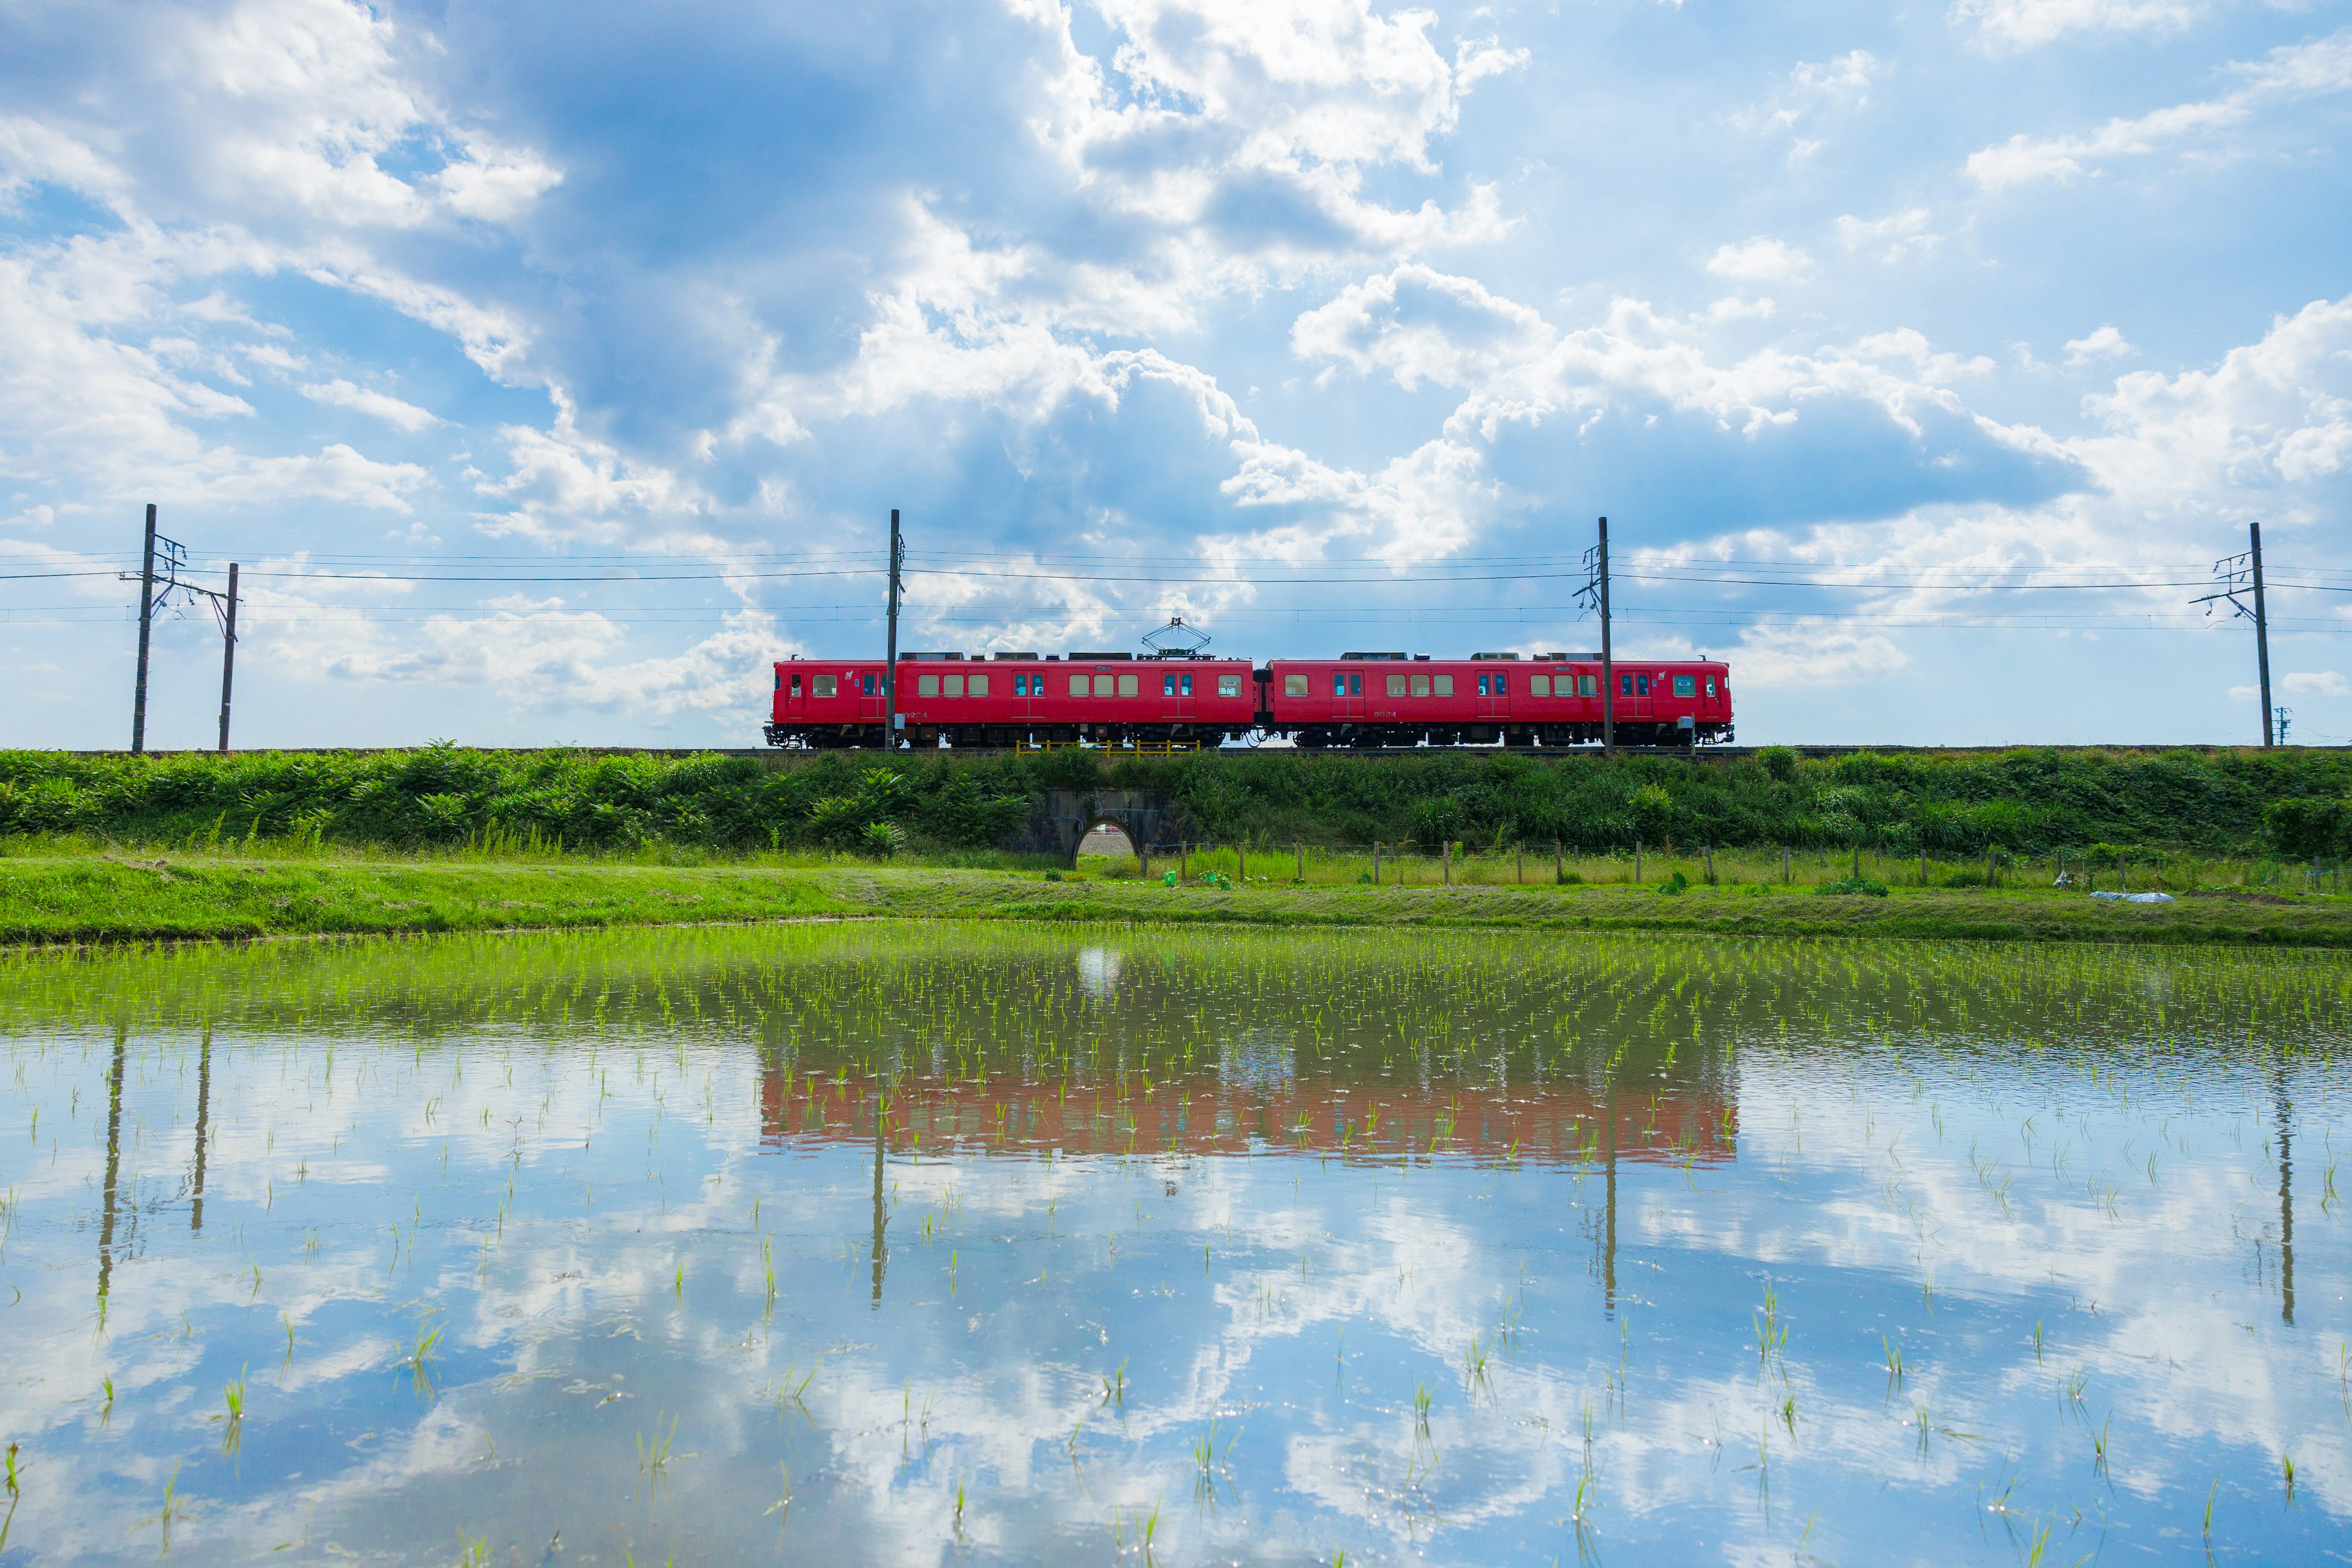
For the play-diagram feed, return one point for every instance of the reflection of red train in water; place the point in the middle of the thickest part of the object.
(1359, 700)
(1543, 1122)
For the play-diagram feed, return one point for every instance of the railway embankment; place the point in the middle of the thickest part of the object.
(2283, 803)
(47, 900)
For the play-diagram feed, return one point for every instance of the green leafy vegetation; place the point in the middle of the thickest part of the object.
(1951, 805)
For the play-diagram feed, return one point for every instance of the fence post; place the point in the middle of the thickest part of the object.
(1785, 876)
(1376, 862)
(1710, 865)
(2123, 873)
(1447, 852)
(1857, 859)
(1241, 860)
(1637, 860)
(1143, 858)
(1922, 863)
(1519, 860)
(1302, 860)
(1558, 871)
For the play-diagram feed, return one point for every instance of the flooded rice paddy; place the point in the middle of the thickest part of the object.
(926, 1244)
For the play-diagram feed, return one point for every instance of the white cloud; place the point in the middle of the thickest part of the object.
(2105, 343)
(1758, 260)
(1420, 324)
(2277, 410)
(2023, 24)
(340, 394)
(2316, 683)
(2300, 71)
(1812, 89)
(1814, 652)
(1903, 235)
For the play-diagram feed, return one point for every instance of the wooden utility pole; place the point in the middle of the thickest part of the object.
(228, 659)
(2262, 636)
(891, 669)
(1608, 656)
(146, 626)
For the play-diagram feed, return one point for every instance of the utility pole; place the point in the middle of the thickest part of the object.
(146, 625)
(890, 671)
(2262, 632)
(2231, 575)
(228, 674)
(1608, 656)
(1594, 595)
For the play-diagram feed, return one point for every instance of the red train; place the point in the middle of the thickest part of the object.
(1359, 700)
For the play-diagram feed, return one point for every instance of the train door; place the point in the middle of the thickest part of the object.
(869, 696)
(1348, 694)
(1633, 699)
(1028, 696)
(1178, 692)
(1493, 694)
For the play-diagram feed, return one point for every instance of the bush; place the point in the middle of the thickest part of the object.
(1866, 887)
(2303, 828)
(1780, 761)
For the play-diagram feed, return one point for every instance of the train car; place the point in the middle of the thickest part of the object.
(1006, 698)
(1380, 700)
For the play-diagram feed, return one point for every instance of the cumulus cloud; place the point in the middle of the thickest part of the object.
(2300, 70)
(1816, 652)
(1419, 324)
(1758, 260)
(2316, 683)
(2105, 343)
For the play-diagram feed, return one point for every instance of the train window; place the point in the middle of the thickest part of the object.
(1588, 686)
(1482, 686)
(1356, 685)
(1078, 686)
(927, 685)
(1710, 686)
(1338, 683)
(1420, 686)
(1102, 685)
(952, 686)
(1184, 685)
(1445, 685)
(1624, 686)
(796, 685)
(1539, 685)
(1229, 685)
(822, 685)
(1641, 686)
(1128, 685)
(1020, 686)
(865, 683)
(1396, 684)
(1685, 686)
(979, 686)
(1294, 685)
(1167, 684)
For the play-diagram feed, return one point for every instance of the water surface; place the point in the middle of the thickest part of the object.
(896, 1244)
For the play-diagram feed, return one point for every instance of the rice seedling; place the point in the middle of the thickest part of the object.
(654, 1457)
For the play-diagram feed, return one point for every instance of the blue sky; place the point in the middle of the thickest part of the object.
(1874, 330)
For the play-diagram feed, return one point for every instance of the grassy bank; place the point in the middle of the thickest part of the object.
(47, 900)
(2284, 802)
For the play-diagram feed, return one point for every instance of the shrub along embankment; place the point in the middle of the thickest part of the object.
(2291, 802)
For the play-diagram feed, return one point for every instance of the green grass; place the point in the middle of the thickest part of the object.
(88, 898)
